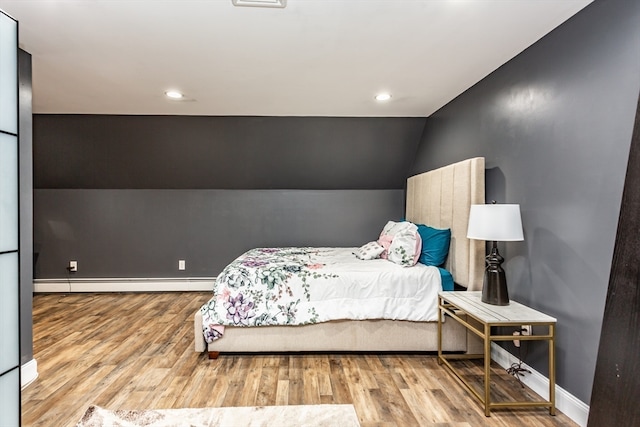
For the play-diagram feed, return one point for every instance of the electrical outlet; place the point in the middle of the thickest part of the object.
(73, 266)
(524, 330)
(181, 264)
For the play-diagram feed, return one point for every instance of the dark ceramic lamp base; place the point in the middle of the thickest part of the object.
(494, 289)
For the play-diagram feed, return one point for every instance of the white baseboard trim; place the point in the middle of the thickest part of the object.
(28, 373)
(567, 403)
(204, 284)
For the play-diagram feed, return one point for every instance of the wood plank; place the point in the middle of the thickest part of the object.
(251, 382)
(339, 381)
(310, 381)
(391, 404)
(282, 392)
(268, 386)
(323, 370)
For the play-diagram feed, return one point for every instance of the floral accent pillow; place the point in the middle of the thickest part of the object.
(405, 248)
(371, 250)
(402, 243)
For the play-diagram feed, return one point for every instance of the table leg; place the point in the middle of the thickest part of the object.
(552, 369)
(440, 314)
(487, 370)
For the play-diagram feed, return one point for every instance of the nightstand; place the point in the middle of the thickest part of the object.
(479, 318)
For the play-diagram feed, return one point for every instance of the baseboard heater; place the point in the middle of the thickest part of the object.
(199, 284)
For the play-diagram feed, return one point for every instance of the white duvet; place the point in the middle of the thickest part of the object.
(297, 286)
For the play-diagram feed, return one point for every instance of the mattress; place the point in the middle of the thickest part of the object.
(299, 286)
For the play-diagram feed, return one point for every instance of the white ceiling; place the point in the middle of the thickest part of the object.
(312, 58)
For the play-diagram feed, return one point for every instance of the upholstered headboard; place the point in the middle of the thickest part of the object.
(441, 198)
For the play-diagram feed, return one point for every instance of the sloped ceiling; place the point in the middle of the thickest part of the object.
(312, 58)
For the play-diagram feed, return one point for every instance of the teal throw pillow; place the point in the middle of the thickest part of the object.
(435, 245)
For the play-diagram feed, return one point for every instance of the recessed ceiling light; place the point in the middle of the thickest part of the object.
(383, 97)
(174, 94)
(260, 3)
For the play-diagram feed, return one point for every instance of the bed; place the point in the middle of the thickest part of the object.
(440, 198)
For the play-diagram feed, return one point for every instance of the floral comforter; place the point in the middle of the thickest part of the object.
(298, 286)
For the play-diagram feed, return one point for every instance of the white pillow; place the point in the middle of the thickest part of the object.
(405, 240)
(371, 250)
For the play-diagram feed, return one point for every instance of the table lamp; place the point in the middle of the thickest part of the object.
(495, 223)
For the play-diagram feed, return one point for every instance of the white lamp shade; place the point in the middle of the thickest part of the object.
(500, 223)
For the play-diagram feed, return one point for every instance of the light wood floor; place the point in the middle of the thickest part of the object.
(135, 351)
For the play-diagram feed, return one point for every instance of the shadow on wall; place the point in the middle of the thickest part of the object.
(495, 186)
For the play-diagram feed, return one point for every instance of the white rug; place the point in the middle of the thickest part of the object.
(280, 416)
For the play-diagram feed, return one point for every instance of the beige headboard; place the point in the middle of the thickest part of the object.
(441, 198)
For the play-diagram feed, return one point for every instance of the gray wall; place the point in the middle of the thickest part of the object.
(143, 233)
(127, 196)
(555, 126)
(26, 208)
(194, 152)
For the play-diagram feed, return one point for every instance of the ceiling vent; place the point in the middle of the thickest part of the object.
(260, 3)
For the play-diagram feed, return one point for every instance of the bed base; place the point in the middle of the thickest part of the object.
(339, 336)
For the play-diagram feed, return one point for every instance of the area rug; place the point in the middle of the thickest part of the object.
(250, 416)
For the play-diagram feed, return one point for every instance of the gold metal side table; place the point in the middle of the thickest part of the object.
(464, 307)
